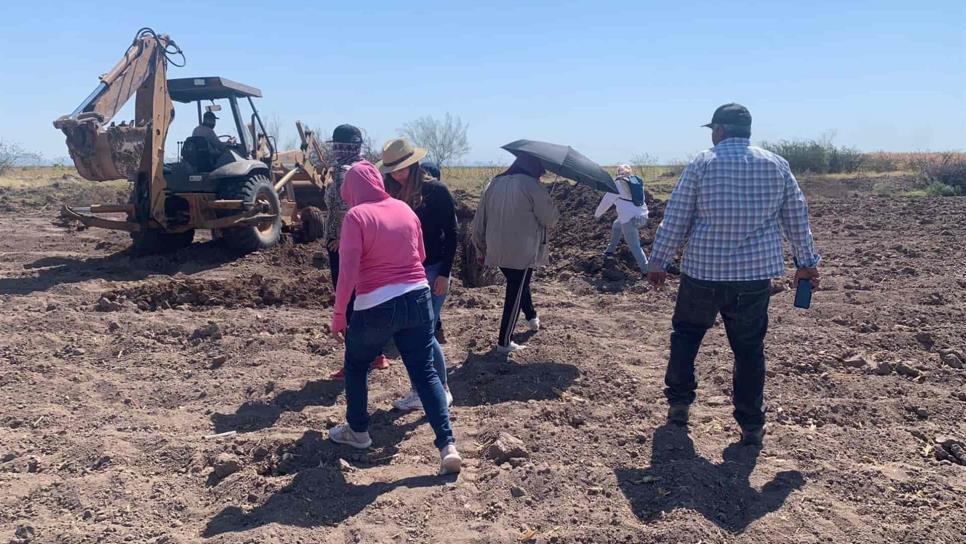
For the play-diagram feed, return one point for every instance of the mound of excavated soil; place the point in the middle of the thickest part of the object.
(253, 291)
(577, 243)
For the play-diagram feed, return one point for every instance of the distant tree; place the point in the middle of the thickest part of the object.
(445, 138)
(11, 154)
(643, 163)
(370, 151)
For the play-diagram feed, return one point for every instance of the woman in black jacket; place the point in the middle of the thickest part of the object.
(434, 206)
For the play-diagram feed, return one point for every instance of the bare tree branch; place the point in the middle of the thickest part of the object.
(444, 139)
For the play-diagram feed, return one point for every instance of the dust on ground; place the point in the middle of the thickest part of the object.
(117, 370)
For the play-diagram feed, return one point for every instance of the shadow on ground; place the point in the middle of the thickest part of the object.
(679, 478)
(490, 378)
(253, 416)
(318, 495)
(121, 266)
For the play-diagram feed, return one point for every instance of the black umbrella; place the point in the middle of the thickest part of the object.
(565, 161)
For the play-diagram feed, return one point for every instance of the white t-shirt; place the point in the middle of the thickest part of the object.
(386, 293)
(626, 210)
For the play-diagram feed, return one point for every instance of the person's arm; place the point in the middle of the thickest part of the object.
(605, 204)
(334, 214)
(478, 227)
(448, 224)
(544, 209)
(795, 224)
(678, 219)
(350, 256)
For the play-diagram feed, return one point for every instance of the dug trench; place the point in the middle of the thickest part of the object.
(196, 407)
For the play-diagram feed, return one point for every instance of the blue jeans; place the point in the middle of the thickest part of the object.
(439, 360)
(743, 306)
(407, 319)
(632, 235)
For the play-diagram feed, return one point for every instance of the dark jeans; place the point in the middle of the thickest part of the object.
(517, 298)
(408, 319)
(743, 307)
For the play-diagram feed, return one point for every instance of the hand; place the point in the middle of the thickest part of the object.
(333, 245)
(441, 286)
(338, 327)
(657, 279)
(811, 274)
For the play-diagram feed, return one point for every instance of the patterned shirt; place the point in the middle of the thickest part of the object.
(730, 206)
(336, 208)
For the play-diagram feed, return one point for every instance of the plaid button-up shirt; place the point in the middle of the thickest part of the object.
(730, 206)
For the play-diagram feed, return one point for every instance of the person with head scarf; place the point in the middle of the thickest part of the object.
(631, 215)
(346, 150)
(381, 261)
(406, 180)
(510, 230)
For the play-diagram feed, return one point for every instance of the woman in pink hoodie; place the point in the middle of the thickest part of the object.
(380, 258)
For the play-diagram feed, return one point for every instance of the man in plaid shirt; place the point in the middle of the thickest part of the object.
(729, 209)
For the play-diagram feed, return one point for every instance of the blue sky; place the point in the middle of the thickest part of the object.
(611, 78)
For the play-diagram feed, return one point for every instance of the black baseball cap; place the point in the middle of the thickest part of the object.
(347, 134)
(209, 115)
(731, 114)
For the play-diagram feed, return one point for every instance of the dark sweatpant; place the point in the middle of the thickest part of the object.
(517, 298)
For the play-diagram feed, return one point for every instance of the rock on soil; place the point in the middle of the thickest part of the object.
(225, 464)
(505, 448)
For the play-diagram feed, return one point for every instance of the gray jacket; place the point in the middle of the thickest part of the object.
(512, 220)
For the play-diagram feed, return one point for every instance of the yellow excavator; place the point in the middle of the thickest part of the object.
(239, 187)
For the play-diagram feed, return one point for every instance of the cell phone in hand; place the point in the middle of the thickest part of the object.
(803, 295)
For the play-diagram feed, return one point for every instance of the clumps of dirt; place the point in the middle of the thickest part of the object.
(577, 243)
(251, 292)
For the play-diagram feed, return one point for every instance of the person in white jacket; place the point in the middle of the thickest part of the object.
(630, 216)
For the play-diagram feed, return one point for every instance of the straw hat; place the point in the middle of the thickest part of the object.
(398, 154)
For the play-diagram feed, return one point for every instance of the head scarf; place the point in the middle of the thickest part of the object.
(346, 153)
(526, 165)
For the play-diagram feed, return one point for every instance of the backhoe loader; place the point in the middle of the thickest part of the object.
(243, 191)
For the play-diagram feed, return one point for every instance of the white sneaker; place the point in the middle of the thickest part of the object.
(450, 461)
(408, 403)
(513, 346)
(342, 434)
(534, 324)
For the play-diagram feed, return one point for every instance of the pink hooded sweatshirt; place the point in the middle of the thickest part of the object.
(381, 242)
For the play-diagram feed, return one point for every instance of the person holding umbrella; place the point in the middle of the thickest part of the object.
(406, 180)
(510, 230)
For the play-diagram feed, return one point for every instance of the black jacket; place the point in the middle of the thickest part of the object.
(438, 218)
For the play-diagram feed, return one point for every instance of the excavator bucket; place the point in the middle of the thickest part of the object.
(104, 154)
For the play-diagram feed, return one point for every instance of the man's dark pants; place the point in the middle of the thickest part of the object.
(744, 309)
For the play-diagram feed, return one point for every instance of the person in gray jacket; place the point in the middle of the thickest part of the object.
(510, 229)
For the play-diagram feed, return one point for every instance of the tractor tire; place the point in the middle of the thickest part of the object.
(313, 224)
(254, 189)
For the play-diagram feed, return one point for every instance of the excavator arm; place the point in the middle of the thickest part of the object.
(133, 151)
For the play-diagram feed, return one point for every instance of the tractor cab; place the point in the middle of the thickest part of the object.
(233, 149)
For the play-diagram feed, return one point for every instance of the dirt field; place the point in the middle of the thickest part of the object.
(116, 370)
